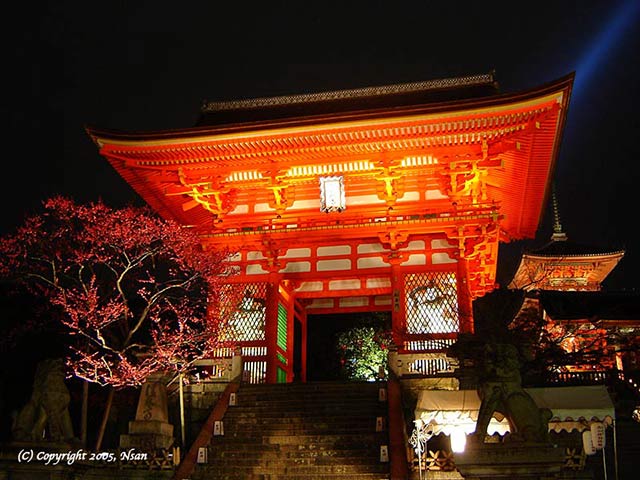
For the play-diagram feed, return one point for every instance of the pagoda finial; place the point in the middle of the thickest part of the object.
(558, 234)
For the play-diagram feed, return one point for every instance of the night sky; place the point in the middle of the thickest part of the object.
(149, 65)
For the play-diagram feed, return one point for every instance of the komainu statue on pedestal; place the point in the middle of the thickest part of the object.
(46, 414)
(500, 390)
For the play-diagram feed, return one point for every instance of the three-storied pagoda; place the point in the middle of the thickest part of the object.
(390, 198)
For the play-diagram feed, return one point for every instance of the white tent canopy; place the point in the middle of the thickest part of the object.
(572, 408)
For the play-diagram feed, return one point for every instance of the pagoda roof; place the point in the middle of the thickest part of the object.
(592, 306)
(518, 135)
(568, 248)
(350, 100)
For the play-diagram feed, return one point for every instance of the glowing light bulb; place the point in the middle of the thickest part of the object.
(458, 441)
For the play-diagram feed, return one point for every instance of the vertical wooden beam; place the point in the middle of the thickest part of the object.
(271, 328)
(303, 346)
(398, 314)
(397, 435)
(465, 310)
(291, 307)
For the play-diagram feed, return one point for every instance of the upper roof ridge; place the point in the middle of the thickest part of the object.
(374, 91)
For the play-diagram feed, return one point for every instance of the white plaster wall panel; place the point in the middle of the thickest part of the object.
(262, 207)
(255, 255)
(371, 262)
(298, 205)
(236, 257)
(440, 243)
(382, 300)
(296, 267)
(435, 195)
(354, 302)
(362, 200)
(442, 257)
(409, 197)
(331, 265)
(414, 245)
(298, 253)
(378, 282)
(370, 248)
(349, 284)
(415, 259)
(255, 269)
(305, 204)
(310, 287)
(334, 250)
(321, 303)
(239, 210)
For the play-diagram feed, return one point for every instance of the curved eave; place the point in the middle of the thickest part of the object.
(616, 255)
(563, 84)
(523, 277)
(521, 194)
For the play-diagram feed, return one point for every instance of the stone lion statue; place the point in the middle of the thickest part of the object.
(500, 390)
(46, 415)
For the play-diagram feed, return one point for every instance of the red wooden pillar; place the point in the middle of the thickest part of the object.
(271, 327)
(291, 313)
(303, 346)
(398, 314)
(465, 310)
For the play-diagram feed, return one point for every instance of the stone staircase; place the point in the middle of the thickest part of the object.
(323, 430)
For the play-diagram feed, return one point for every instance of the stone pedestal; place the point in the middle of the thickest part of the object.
(513, 460)
(151, 429)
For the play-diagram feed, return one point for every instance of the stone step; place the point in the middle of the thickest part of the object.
(309, 396)
(337, 440)
(261, 394)
(202, 475)
(273, 430)
(301, 407)
(315, 385)
(257, 431)
(284, 469)
(247, 418)
(370, 455)
(300, 432)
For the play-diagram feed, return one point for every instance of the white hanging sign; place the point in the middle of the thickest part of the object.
(587, 444)
(598, 437)
(232, 399)
(384, 453)
(202, 455)
(379, 424)
(218, 428)
(382, 394)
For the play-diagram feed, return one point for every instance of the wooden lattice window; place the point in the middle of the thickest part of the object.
(282, 327)
(431, 302)
(248, 320)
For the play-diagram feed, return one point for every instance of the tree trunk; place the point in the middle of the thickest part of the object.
(83, 413)
(103, 425)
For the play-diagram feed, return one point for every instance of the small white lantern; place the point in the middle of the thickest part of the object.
(458, 440)
(332, 196)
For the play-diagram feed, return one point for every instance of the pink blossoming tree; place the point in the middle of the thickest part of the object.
(138, 294)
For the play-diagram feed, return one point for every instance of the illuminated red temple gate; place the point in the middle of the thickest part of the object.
(389, 198)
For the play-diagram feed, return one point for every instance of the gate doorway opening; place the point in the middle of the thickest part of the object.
(323, 331)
